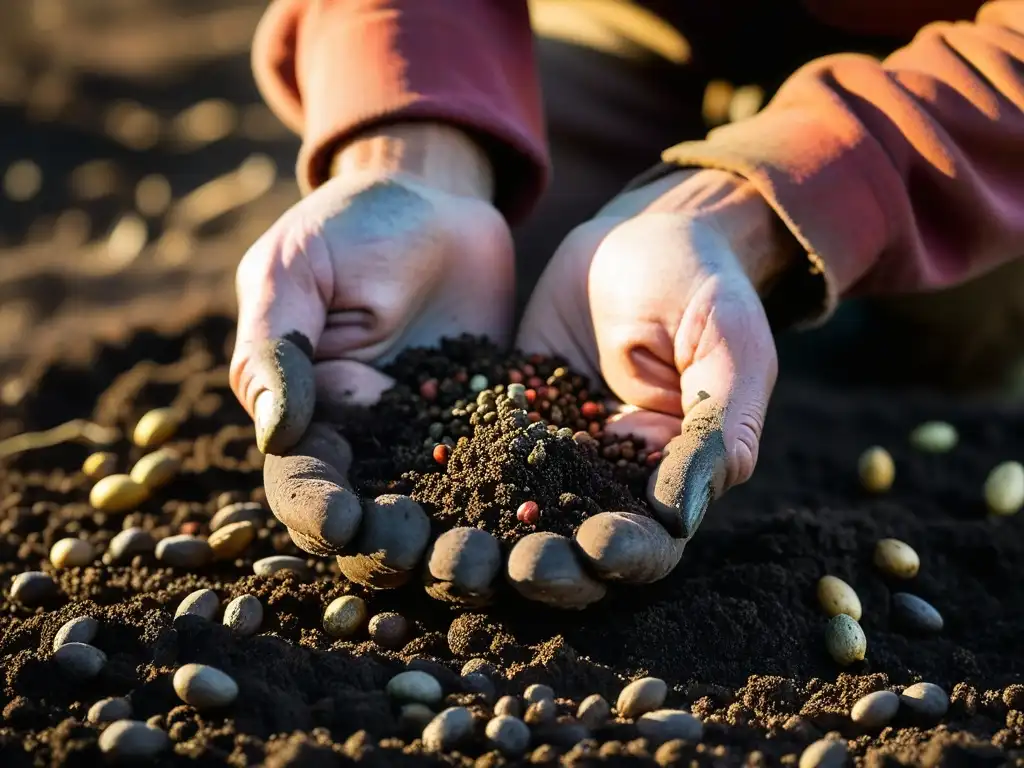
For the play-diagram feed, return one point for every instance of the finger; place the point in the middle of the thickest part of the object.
(544, 566)
(622, 546)
(307, 490)
(392, 538)
(462, 566)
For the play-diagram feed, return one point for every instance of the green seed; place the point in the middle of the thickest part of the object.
(836, 597)
(345, 616)
(845, 640)
(934, 437)
(1004, 488)
(877, 470)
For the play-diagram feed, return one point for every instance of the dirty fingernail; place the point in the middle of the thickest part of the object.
(266, 414)
(693, 510)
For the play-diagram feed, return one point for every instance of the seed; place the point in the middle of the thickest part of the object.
(441, 453)
(80, 660)
(428, 390)
(644, 695)
(33, 587)
(591, 410)
(345, 616)
(156, 469)
(204, 687)
(824, 753)
(478, 383)
(128, 543)
(537, 456)
(415, 716)
(184, 551)
(389, 630)
(934, 437)
(80, 630)
(71, 553)
(896, 558)
(117, 493)
(99, 465)
(508, 734)
(925, 699)
(876, 709)
(283, 564)
(109, 710)
(133, 740)
(541, 712)
(836, 596)
(915, 613)
(507, 705)
(478, 665)
(230, 541)
(448, 729)
(479, 683)
(667, 724)
(236, 513)
(1004, 488)
(414, 685)
(877, 470)
(528, 513)
(203, 603)
(538, 692)
(845, 640)
(156, 427)
(593, 711)
(244, 615)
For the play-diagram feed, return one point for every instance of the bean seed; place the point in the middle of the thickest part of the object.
(876, 709)
(345, 616)
(80, 630)
(99, 465)
(824, 753)
(538, 692)
(184, 551)
(925, 699)
(33, 587)
(915, 613)
(836, 596)
(156, 469)
(877, 470)
(448, 729)
(477, 682)
(413, 685)
(204, 687)
(109, 710)
(416, 716)
(845, 640)
(231, 540)
(934, 437)
(203, 603)
(244, 615)
(666, 724)
(236, 513)
(133, 740)
(541, 712)
(644, 695)
(508, 705)
(117, 493)
(282, 564)
(896, 558)
(71, 553)
(389, 630)
(593, 711)
(508, 734)
(129, 543)
(156, 427)
(80, 660)
(1004, 488)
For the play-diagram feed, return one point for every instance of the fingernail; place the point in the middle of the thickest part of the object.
(344, 514)
(693, 510)
(265, 416)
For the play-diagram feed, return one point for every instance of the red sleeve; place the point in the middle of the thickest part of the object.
(332, 68)
(901, 175)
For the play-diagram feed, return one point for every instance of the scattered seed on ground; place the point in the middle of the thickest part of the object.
(508, 734)
(389, 630)
(450, 728)
(242, 511)
(204, 687)
(896, 558)
(80, 660)
(117, 493)
(244, 615)
(541, 712)
(33, 587)
(1004, 488)
(79, 630)
(538, 692)
(156, 427)
(71, 553)
(203, 603)
(133, 740)
(644, 695)
(836, 596)
(876, 709)
(666, 724)
(345, 616)
(414, 685)
(282, 564)
(508, 705)
(824, 753)
(925, 699)
(593, 711)
(184, 551)
(229, 541)
(129, 543)
(99, 465)
(934, 437)
(845, 640)
(914, 613)
(156, 469)
(877, 470)
(109, 710)
(477, 682)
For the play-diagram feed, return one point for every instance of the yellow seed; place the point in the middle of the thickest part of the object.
(99, 465)
(345, 616)
(1004, 488)
(117, 493)
(71, 553)
(897, 558)
(836, 597)
(156, 427)
(876, 469)
(230, 541)
(156, 469)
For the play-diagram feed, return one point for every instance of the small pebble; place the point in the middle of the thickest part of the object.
(477, 682)
(274, 564)
(80, 630)
(925, 699)
(666, 724)
(345, 616)
(156, 469)
(478, 383)
(824, 753)
(541, 712)
(109, 710)
(538, 692)
(845, 640)
(99, 465)
(876, 709)
(184, 551)
(448, 729)
(877, 470)
(33, 587)
(389, 630)
(204, 687)
(441, 453)
(644, 695)
(508, 705)
(508, 734)
(203, 603)
(129, 543)
(414, 685)
(915, 613)
(156, 427)
(896, 558)
(836, 597)
(117, 493)
(231, 540)
(934, 437)
(1004, 488)
(242, 511)
(133, 740)
(80, 660)
(244, 615)
(71, 553)
(416, 716)
(593, 711)
(528, 513)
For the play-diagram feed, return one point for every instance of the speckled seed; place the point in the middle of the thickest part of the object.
(71, 553)
(1004, 488)
(239, 512)
(244, 615)
(508, 705)
(593, 711)
(917, 614)
(204, 687)
(230, 541)
(478, 665)
(644, 695)
(133, 740)
(508, 734)
(117, 493)
(845, 640)
(129, 543)
(99, 465)
(415, 716)
(281, 564)
(80, 630)
(824, 753)
(877, 470)
(345, 616)
(203, 603)
(876, 709)
(156, 469)
(109, 710)
(836, 596)
(541, 712)
(33, 587)
(156, 427)
(80, 660)
(926, 699)
(934, 437)
(448, 729)
(896, 558)
(184, 551)
(389, 630)
(666, 724)
(414, 685)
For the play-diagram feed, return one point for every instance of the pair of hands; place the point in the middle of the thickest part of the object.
(658, 295)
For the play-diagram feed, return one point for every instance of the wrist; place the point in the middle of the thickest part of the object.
(433, 154)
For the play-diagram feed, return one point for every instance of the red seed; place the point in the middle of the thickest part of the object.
(653, 458)
(531, 395)
(591, 410)
(428, 390)
(515, 377)
(441, 453)
(528, 512)
(190, 529)
(533, 416)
